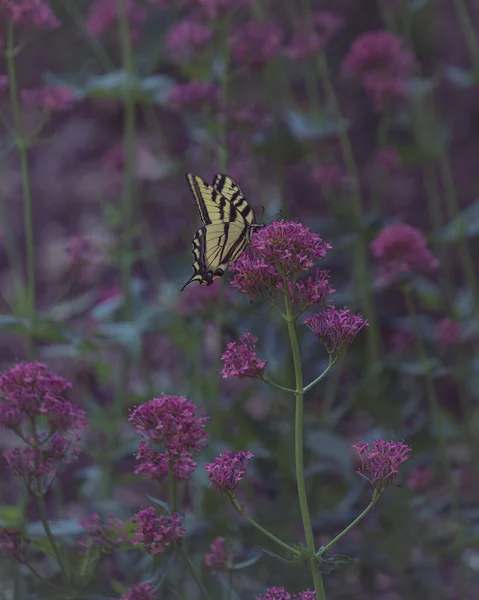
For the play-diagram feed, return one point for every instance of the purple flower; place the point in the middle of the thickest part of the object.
(400, 248)
(35, 14)
(383, 63)
(105, 537)
(240, 359)
(51, 98)
(312, 34)
(381, 460)
(187, 38)
(141, 591)
(193, 96)
(332, 179)
(256, 43)
(81, 251)
(156, 534)
(14, 544)
(336, 328)
(275, 593)
(221, 556)
(103, 15)
(227, 470)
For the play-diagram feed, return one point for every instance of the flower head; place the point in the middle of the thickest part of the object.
(312, 34)
(255, 43)
(275, 593)
(380, 461)
(51, 98)
(193, 96)
(221, 556)
(187, 38)
(240, 359)
(383, 63)
(336, 328)
(156, 534)
(14, 544)
(105, 537)
(400, 248)
(227, 470)
(81, 251)
(34, 14)
(140, 591)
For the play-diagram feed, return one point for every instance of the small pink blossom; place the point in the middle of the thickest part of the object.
(51, 98)
(156, 534)
(240, 359)
(104, 537)
(81, 251)
(34, 14)
(141, 591)
(187, 38)
(448, 332)
(312, 34)
(227, 470)
(399, 249)
(275, 593)
(193, 96)
(381, 460)
(336, 328)
(14, 544)
(256, 43)
(332, 179)
(221, 556)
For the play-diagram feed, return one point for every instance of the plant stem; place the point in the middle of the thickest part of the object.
(298, 450)
(193, 571)
(22, 144)
(469, 33)
(318, 379)
(276, 385)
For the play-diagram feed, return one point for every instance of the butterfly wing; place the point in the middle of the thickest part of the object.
(211, 205)
(227, 187)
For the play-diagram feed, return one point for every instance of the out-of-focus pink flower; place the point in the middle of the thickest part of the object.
(3, 84)
(275, 593)
(384, 65)
(221, 556)
(256, 43)
(195, 301)
(388, 159)
(187, 38)
(14, 544)
(156, 534)
(240, 359)
(336, 328)
(420, 479)
(193, 96)
(227, 470)
(51, 98)
(140, 591)
(252, 115)
(312, 34)
(332, 178)
(81, 251)
(399, 249)
(35, 14)
(381, 460)
(448, 332)
(103, 15)
(104, 537)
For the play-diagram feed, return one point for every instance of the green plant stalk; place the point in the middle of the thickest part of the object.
(193, 571)
(240, 511)
(22, 144)
(299, 451)
(223, 145)
(469, 33)
(323, 374)
(350, 526)
(128, 200)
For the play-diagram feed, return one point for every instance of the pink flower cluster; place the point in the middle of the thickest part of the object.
(187, 38)
(193, 96)
(51, 98)
(81, 251)
(172, 431)
(332, 178)
(240, 359)
(280, 253)
(156, 534)
(399, 249)
(255, 43)
(141, 591)
(384, 65)
(312, 34)
(380, 461)
(35, 14)
(279, 593)
(14, 544)
(104, 537)
(336, 328)
(103, 15)
(221, 556)
(227, 470)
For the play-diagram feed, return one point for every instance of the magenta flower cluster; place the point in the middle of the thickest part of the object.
(193, 96)
(50, 98)
(35, 14)
(187, 38)
(279, 593)
(255, 43)
(311, 34)
(240, 359)
(336, 328)
(172, 431)
(380, 461)
(221, 556)
(280, 254)
(227, 470)
(400, 249)
(14, 544)
(154, 533)
(141, 591)
(104, 537)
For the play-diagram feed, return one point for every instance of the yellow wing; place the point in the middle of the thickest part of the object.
(228, 220)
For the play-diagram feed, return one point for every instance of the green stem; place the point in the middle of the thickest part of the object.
(128, 201)
(469, 33)
(239, 510)
(22, 145)
(225, 51)
(299, 452)
(276, 385)
(193, 571)
(350, 526)
(318, 379)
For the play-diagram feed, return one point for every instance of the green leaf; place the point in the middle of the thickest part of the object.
(244, 564)
(117, 84)
(308, 127)
(464, 225)
(461, 77)
(10, 515)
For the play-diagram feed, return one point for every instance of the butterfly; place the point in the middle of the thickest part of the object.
(228, 225)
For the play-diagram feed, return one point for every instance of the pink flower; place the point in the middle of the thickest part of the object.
(51, 98)
(255, 43)
(448, 332)
(312, 35)
(156, 534)
(240, 359)
(193, 96)
(203, 299)
(81, 251)
(336, 328)
(227, 470)
(332, 178)
(187, 38)
(275, 593)
(104, 537)
(252, 115)
(380, 461)
(140, 591)
(383, 63)
(400, 248)
(35, 14)
(14, 544)
(103, 15)
(221, 556)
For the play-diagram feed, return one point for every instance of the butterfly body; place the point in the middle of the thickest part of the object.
(228, 222)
